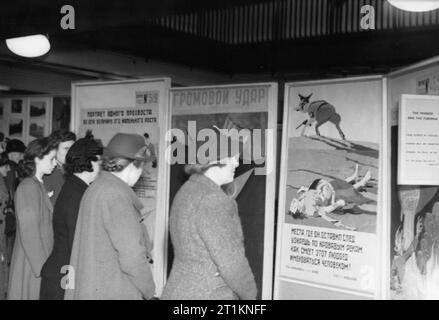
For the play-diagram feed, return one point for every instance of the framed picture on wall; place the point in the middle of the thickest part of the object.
(17, 106)
(16, 128)
(36, 129)
(38, 109)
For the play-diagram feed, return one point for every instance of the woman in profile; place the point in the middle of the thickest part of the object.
(82, 166)
(34, 237)
(206, 233)
(109, 254)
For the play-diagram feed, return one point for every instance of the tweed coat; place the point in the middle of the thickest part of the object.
(65, 215)
(34, 239)
(206, 233)
(109, 253)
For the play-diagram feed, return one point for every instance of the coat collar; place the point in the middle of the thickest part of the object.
(112, 179)
(201, 178)
(76, 181)
(44, 191)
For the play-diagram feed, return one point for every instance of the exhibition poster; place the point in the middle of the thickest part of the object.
(330, 202)
(136, 107)
(249, 110)
(418, 162)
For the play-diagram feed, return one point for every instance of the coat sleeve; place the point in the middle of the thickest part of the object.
(220, 233)
(28, 219)
(125, 232)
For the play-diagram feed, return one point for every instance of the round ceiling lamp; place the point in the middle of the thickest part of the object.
(29, 46)
(415, 5)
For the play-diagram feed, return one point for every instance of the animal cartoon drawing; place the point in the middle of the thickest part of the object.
(319, 112)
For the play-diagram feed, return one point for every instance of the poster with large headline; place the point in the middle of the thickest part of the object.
(136, 107)
(330, 204)
(247, 113)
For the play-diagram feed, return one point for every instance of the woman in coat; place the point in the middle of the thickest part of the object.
(34, 238)
(82, 167)
(206, 233)
(109, 254)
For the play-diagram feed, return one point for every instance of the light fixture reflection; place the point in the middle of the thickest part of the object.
(29, 46)
(415, 5)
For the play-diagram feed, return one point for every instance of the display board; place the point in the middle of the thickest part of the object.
(418, 162)
(332, 190)
(133, 106)
(412, 271)
(26, 118)
(251, 107)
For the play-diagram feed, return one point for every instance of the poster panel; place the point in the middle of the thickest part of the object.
(413, 272)
(331, 190)
(251, 107)
(140, 107)
(419, 140)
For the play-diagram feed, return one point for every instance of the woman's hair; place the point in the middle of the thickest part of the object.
(4, 159)
(82, 153)
(36, 149)
(191, 169)
(61, 136)
(118, 164)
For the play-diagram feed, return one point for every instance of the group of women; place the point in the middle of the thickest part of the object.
(80, 234)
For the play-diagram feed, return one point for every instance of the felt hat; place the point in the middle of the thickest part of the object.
(129, 146)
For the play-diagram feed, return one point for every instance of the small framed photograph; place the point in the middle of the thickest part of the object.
(16, 128)
(16, 106)
(38, 109)
(36, 129)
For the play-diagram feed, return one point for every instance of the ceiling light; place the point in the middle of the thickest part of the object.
(415, 5)
(4, 88)
(29, 46)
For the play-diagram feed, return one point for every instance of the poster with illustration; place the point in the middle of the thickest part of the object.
(135, 107)
(330, 188)
(250, 111)
(414, 250)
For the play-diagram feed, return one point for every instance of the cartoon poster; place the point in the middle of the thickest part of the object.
(136, 107)
(243, 108)
(330, 188)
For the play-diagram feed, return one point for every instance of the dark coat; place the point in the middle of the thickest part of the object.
(109, 252)
(65, 215)
(206, 233)
(54, 182)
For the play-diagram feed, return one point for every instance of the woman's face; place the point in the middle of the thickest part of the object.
(47, 163)
(133, 174)
(62, 150)
(228, 171)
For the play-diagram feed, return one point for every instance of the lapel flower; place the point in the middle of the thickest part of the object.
(50, 194)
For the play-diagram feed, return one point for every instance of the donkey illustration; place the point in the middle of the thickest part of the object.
(319, 112)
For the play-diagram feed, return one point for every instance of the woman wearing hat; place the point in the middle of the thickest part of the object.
(34, 237)
(206, 233)
(82, 167)
(109, 255)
